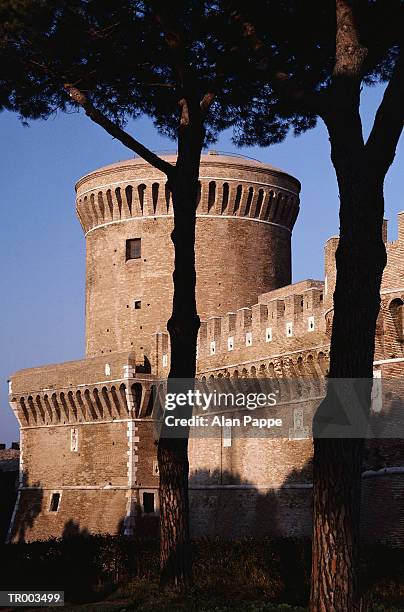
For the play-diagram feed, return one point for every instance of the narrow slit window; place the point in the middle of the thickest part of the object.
(133, 248)
(74, 440)
(148, 503)
(225, 200)
(211, 195)
(238, 199)
(54, 503)
(260, 200)
(249, 201)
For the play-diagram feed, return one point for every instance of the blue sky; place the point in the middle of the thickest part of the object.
(42, 245)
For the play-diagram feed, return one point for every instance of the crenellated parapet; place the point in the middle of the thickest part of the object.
(228, 186)
(91, 390)
(389, 349)
(286, 324)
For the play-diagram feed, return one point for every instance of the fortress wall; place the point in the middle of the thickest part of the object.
(388, 331)
(81, 511)
(255, 487)
(285, 325)
(82, 478)
(100, 459)
(239, 513)
(393, 276)
(382, 518)
(86, 430)
(101, 485)
(244, 460)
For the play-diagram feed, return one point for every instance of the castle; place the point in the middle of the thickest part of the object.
(87, 435)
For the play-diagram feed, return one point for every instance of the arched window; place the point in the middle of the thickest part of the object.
(396, 309)
(225, 200)
(249, 200)
(155, 195)
(167, 196)
(211, 194)
(129, 195)
(269, 205)
(109, 202)
(119, 199)
(237, 201)
(260, 200)
(140, 190)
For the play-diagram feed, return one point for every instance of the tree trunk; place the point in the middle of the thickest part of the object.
(183, 326)
(337, 465)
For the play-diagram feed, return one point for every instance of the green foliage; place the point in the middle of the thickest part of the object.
(114, 573)
(294, 55)
(120, 54)
(123, 55)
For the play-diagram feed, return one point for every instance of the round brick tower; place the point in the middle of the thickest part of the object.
(245, 216)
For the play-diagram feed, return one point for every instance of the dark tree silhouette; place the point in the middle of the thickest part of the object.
(118, 60)
(312, 60)
(179, 62)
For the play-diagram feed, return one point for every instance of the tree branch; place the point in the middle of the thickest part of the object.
(349, 53)
(207, 101)
(109, 126)
(342, 108)
(183, 104)
(388, 124)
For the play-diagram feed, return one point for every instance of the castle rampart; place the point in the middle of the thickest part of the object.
(88, 437)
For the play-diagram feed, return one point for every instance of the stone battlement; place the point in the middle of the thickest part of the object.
(132, 189)
(89, 390)
(285, 321)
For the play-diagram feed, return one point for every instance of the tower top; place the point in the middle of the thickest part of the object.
(212, 159)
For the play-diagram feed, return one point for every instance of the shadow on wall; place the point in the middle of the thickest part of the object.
(27, 509)
(223, 504)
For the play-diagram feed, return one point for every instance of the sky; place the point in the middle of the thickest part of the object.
(42, 263)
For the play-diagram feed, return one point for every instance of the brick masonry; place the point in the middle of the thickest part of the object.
(88, 440)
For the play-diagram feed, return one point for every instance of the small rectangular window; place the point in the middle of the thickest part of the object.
(137, 304)
(148, 503)
(230, 343)
(212, 347)
(268, 334)
(133, 248)
(310, 324)
(289, 329)
(54, 503)
(248, 339)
